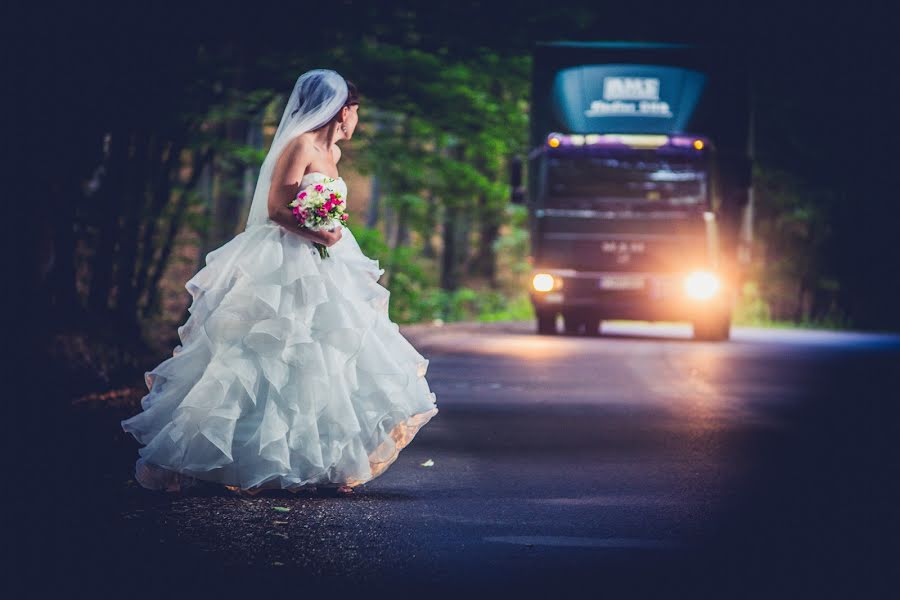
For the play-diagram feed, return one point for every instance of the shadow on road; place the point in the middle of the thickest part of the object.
(816, 516)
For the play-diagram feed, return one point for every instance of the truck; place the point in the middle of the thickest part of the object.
(637, 184)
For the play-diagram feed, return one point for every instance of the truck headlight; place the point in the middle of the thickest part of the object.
(542, 282)
(701, 285)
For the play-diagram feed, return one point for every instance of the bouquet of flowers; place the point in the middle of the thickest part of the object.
(319, 207)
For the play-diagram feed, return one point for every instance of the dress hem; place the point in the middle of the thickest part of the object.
(156, 477)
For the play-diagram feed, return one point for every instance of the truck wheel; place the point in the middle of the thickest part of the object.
(546, 323)
(725, 328)
(572, 323)
(592, 325)
(717, 328)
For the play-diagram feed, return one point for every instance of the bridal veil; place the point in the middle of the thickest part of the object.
(316, 98)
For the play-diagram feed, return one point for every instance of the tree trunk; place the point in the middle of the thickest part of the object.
(485, 262)
(377, 184)
(255, 140)
(133, 202)
(402, 236)
(428, 247)
(211, 179)
(200, 160)
(374, 200)
(230, 201)
(463, 241)
(449, 280)
(387, 225)
(162, 190)
(108, 224)
(451, 234)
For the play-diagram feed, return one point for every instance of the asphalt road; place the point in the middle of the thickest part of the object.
(634, 464)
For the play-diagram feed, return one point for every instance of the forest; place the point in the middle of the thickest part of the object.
(140, 135)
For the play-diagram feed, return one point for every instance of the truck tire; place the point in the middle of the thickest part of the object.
(592, 325)
(572, 323)
(546, 323)
(716, 328)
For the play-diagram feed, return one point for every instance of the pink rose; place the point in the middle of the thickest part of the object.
(344, 217)
(319, 187)
(301, 195)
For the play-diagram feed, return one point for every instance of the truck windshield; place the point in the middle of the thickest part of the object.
(654, 181)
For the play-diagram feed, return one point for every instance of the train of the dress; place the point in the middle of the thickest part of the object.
(289, 373)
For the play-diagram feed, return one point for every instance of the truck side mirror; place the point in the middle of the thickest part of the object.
(515, 180)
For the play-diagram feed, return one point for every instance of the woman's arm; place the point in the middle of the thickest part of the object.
(286, 184)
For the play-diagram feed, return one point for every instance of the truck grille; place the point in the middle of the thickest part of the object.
(620, 253)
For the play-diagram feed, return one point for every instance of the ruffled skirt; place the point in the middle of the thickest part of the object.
(289, 373)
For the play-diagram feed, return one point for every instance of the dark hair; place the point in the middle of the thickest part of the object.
(352, 98)
(352, 93)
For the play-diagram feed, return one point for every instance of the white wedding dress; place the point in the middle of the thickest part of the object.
(289, 373)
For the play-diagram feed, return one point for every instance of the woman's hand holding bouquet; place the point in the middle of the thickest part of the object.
(319, 207)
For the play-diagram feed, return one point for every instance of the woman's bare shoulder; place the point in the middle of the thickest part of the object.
(300, 146)
(297, 153)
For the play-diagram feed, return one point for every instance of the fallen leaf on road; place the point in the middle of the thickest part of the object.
(279, 522)
(428, 463)
(282, 508)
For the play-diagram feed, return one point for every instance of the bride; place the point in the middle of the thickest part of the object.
(289, 375)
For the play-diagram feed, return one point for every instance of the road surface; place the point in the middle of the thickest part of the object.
(634, 464)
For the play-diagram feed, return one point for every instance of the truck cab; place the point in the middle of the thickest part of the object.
(636, 194)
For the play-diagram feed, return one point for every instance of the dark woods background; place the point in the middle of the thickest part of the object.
(139, 129)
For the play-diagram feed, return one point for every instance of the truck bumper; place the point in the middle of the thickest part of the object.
(660, 297)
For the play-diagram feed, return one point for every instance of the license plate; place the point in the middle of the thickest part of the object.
(621, 282)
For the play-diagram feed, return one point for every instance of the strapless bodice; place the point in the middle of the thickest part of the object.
(337, 182)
